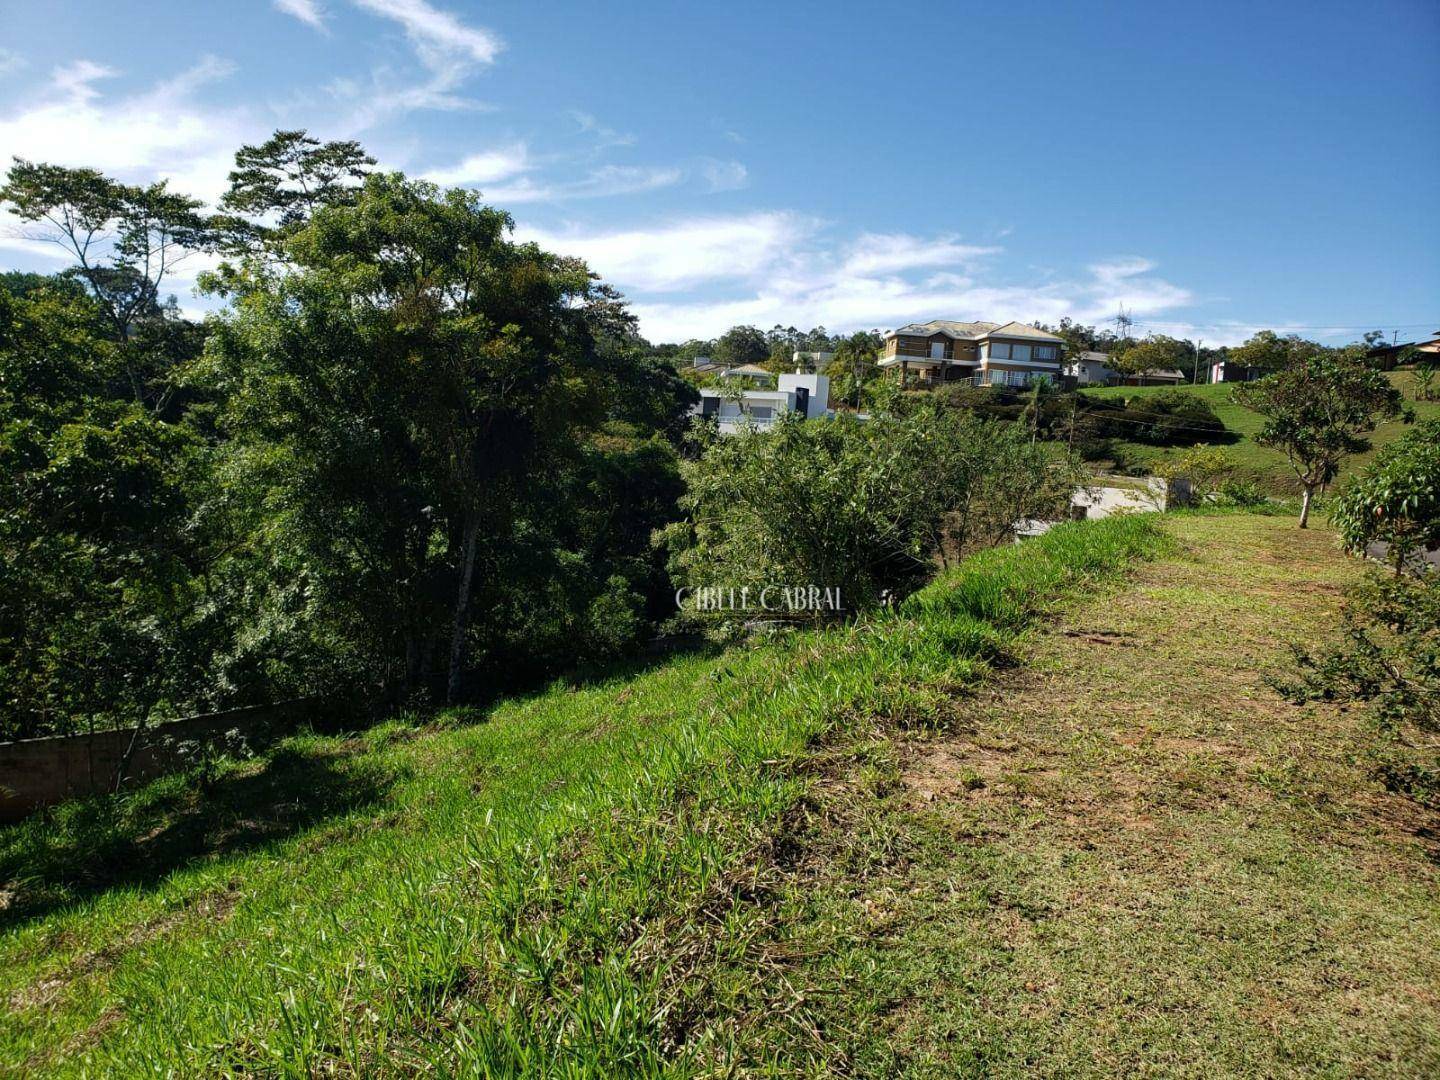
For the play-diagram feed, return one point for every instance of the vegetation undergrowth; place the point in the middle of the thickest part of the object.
(583, 884)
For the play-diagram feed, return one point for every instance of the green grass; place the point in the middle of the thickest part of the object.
(1128, 856)
(1260, 463)
(588, 881)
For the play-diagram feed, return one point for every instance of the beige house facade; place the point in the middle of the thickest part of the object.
(984, 353)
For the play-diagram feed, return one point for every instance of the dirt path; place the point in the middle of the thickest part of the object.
(1137, 857)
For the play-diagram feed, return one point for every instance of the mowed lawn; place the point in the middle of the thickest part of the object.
(1046, 819)
(1130, 856)
(1261, 463)
(579, 882)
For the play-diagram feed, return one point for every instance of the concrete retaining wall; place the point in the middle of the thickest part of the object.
(42, 772)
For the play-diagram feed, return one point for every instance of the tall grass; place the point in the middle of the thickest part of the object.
(581, 885)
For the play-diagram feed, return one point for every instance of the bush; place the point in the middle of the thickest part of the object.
(862, 508)
(1169, 418)
(1396, 499)
(1389, 657)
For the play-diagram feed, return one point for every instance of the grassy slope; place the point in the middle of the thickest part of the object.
(585, 883)
(1131, 857)
(1266, 465)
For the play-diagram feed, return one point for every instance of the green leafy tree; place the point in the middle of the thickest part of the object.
(1317, 410)
(1268, 351)
(278, 185)
(1396, 499)
(741, 345)
(1155, 353)
(405, 382)
(96, 582)
(126, 240)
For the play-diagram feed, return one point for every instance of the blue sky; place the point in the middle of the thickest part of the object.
(1214, 167)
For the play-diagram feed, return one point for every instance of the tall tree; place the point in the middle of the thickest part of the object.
(278, 185)
(741, 345)
(1318, 409)
(418, 375)
(125, 240)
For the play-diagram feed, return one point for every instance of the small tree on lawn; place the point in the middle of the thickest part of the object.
(1396, 500)
(1156, 353)
(1318, 409)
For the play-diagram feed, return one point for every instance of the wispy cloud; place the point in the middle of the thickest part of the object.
(10, 61)
(442, 41)
(687, 253)
(724, 175)
(486, 167)
(448, 49)
(164, 131)
(768, 268)
(307, 11)
(605, 137)
(608, 180)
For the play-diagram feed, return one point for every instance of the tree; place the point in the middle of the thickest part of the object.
(95, 553)
(1318, 409)
(408, 382)
(1426, 369)
(1155, 353)
(741, 345)
(1396, 499)
(125, 240)
(278, 185)
(1268, 351)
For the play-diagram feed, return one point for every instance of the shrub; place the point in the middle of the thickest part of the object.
(1396, 499)
(1389, 656)
(1169, 418)
(864, 508)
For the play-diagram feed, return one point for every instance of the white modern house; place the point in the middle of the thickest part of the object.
(807, 395)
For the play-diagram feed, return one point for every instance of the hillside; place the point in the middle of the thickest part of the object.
(826, 853)
(1265, 465)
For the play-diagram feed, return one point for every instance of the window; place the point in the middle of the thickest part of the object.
(999, 350)
(1044, 352)
(762, 412)
(1020, 352)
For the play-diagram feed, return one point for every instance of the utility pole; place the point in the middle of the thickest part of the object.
(1195, 375)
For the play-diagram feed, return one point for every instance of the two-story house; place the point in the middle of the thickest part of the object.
(985, 353)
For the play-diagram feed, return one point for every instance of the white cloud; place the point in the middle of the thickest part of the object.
(684, 254)
(605, 137)
(486, 167)
(441, 40)
(605, 181)
(724, 175)
(307, 11)
(873, 254)
(767, 268)
(163, 131)
(448, 49)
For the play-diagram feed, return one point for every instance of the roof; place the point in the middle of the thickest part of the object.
(748, 369)
(1019, 329)
(1094, 357)
(974, 331)
(948, 327)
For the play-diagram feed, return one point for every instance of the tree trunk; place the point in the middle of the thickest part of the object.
(462, 608)
(1305, 506)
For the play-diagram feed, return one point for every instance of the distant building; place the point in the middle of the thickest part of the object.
(1387, 356)
(985, 353)
(1091, 369)
(1225, 371)
(705, 366)
(811, 360)
(807, 395)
